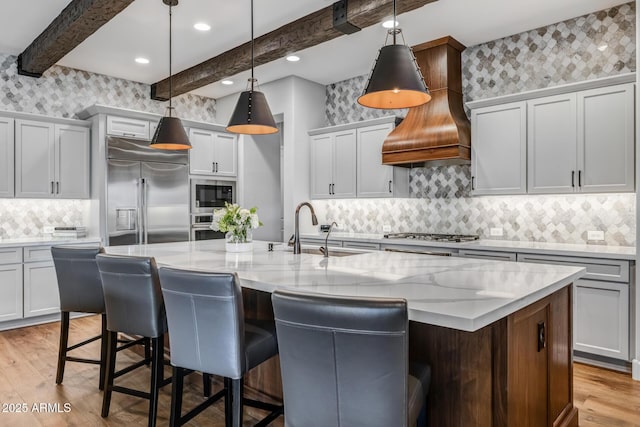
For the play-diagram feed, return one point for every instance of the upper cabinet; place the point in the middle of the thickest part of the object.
(499, 149)
(6, 157)
(346, 162)
(51, 160)
(128, 127)
(213, 153)
(579, 141)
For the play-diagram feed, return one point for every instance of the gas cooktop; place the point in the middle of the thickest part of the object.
(433, 237)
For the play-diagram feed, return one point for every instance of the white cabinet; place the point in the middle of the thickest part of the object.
(52, 161)
(582, 142)
(6, 157)
(606, 118)
(333, 165)
(131, 128)
(373, 178)
(499, 149)
(10, 284)
(40, 289)
(213, 153)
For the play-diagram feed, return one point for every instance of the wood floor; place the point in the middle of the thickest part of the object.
(27, 380)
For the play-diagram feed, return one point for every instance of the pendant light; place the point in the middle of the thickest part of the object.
(252, 115)
(396, 80)
(170, 134)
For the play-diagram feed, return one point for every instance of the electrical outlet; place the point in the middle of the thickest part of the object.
(595, 235)
(48, 229)
(496, 232)
(386, 228)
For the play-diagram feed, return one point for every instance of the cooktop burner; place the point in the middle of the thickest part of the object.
(433, 237)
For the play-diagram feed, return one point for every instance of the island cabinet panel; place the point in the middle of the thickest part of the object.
(521, 364)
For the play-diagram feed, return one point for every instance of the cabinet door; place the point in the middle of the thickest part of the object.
(201, 155)
(606, 134)
(35, 160)
(10, 292)
(72, 162)
(601, 318)
(373, 178)
(344, 164)
(6, 157)
(499, 149)
(40, 289)
(552, 144)
(132, 128)
(321, 166)
(225, 154)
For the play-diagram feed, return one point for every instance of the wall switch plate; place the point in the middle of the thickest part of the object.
(48, 229)
(496, 231)
(595, 235)
(386, 228)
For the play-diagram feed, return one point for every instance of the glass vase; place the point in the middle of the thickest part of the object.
(239, 242)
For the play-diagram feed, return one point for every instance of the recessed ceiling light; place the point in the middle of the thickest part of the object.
(141, 60)
(293, 58)
(389, 24)
(603, 47)
(227, 82)
(201, 26)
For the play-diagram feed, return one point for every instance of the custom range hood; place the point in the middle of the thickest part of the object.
(439, 131)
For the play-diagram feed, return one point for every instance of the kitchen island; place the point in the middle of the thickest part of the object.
(496, 334)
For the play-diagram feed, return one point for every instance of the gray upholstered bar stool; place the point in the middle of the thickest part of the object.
(80, 290)
(134, 305)
(209, 333)
(344, 361)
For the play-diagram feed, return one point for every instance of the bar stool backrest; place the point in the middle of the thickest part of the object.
(344, 360)
(206, 321)
(79, 283)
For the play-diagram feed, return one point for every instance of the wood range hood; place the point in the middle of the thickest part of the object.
(439, 131)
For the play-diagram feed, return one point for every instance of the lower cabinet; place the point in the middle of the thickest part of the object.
(40, 289)
(10, 292)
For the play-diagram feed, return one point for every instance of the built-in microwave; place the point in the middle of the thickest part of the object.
(209, 194)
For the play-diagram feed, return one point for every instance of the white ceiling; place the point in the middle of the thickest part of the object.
(142, 30)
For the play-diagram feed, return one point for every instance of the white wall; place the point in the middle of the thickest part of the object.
(301, 103)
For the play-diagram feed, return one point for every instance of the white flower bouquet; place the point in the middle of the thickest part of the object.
(237, 222)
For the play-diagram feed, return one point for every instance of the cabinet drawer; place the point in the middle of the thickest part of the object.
(10, 255)
(37, 253)
(361, 245)
(611, 270)
(419, 249)
(320, 242)
(133, 128)
(495, 255)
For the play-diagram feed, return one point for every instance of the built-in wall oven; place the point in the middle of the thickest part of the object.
(206, 196)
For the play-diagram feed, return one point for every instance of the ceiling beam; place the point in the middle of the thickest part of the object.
(308, 31)
(76, 22)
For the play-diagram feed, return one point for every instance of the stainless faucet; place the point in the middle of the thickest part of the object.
(295, 239)
(325, 249)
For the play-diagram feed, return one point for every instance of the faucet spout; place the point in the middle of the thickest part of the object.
(296, 233)
(325, 249)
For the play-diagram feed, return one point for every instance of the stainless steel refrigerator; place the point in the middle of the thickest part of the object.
(147, 193)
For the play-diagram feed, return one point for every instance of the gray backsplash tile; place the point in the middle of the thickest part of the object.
(557, 54)
(26, 217)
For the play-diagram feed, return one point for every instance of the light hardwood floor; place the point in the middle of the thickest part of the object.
(27, 376)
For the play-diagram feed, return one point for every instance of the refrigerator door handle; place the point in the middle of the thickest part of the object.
(139, 211)
(143, 206)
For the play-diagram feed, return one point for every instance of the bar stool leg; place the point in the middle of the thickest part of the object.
(147, 351)
(104, 348)
(64, 342)
(236, 402)
(177, 383)
(111, 369)
(228, 415)
(206, 384)
(157, 367)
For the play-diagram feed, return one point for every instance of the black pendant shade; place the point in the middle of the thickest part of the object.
(170, 135)
(252, 115)
(395, 81)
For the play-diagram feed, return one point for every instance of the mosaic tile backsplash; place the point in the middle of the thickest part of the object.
(26, 217)
(63, 92)
(558, 219)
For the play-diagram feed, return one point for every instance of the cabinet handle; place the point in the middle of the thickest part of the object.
(333, 189)
(579, 178)
(473, 183)
(390, 191)
(216, 167)
(329, 189)
(573, 178)
(213, 166)
(128, 134)
(542, 339)
(57, 187)
(52, 187)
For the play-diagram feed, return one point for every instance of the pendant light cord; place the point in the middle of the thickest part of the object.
(170, 55)
(395, 30)
(252, 48)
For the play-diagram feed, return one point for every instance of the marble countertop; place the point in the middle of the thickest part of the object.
(562, 249)
(460, 293)
(36, 241)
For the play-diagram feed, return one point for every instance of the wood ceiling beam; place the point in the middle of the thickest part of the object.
(308, 31)
(76, 22)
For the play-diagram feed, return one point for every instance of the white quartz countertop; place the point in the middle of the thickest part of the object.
(460, 293)
(37, 241)
(562, 249)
